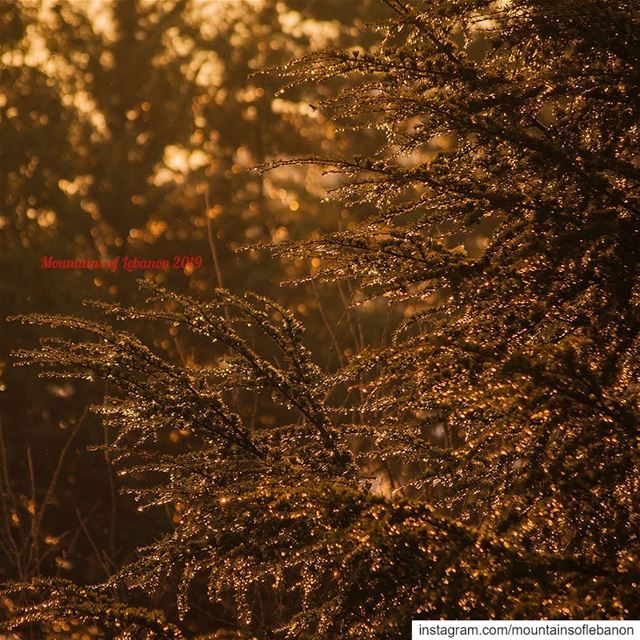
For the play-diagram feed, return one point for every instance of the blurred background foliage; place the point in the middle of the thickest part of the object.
(131, 128)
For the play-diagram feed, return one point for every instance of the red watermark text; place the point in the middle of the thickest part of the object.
(124, 263)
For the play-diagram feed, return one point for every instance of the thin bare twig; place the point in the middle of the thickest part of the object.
(91, 542)
(328, 327)
(113, 513)
(212, 245)
(11, 547)
(39, 515)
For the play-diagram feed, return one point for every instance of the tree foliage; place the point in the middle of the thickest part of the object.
(504, 212)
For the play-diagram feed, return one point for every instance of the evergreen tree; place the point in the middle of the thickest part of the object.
(504, 211)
